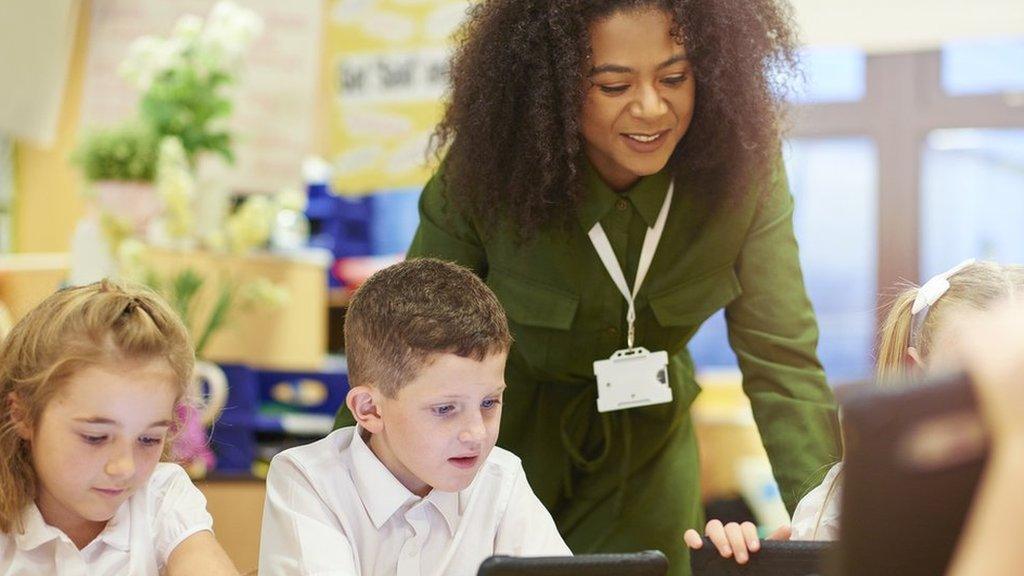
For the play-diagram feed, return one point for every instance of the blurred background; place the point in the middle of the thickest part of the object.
(297, 151)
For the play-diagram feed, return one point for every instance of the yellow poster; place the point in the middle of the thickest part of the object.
(387, 64)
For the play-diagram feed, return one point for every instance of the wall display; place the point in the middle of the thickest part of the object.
(386, 68)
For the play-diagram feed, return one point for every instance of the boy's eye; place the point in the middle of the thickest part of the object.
(491, 403)
(444, 410)
(613, 88)
(89, 439)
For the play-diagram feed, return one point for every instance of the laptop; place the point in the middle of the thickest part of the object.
(648, 563)
(914, 456)
(775, 558)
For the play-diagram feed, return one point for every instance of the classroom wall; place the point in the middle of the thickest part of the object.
(47, 203)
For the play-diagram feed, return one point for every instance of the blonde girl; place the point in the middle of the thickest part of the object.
(916, 336)
(89, 382)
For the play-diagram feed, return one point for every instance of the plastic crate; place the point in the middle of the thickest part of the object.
(251, 409)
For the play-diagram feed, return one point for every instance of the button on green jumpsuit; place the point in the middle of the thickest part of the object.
(628, 480)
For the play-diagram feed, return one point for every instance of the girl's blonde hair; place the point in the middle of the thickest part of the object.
(106, 324)
(977, 286)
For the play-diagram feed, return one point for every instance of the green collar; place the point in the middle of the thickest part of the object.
(647, 196)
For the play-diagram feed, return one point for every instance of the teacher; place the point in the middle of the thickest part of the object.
(586, 140)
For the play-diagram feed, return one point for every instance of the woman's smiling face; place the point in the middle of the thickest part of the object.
(640, 95)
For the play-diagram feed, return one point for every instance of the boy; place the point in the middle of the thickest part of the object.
(417, 486)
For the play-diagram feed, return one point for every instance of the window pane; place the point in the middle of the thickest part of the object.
(972, 197)
(983, 66)
(834, 183)
(833, 74)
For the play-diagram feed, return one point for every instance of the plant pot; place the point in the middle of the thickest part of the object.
(133, 203)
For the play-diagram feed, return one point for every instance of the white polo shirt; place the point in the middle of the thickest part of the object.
(817, 515)
(334, 509)
(136, 541)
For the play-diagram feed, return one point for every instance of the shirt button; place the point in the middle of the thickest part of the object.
(621, 204)
(412, 552)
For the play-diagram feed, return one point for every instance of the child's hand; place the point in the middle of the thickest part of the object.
(732, 539)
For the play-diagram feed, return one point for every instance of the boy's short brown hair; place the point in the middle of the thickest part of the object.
(412, 310)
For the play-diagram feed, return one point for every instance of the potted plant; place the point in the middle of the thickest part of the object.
(119, 165)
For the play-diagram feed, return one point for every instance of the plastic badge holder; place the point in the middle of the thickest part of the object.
(648, 563)
(775, 558)
(633, 377)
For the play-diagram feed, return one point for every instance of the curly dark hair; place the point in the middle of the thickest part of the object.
(510, 137)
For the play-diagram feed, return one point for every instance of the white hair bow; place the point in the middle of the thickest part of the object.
(928, 294)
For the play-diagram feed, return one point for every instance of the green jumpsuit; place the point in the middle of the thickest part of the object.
(628, 480)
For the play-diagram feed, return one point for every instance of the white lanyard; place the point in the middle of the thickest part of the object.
(611, 264)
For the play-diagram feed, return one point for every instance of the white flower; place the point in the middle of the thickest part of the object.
(139, 66)
(229, 31)
(176, 187)
(148, 57)
(292, 199)
(188, 27)
(249, 227)
(131, 256)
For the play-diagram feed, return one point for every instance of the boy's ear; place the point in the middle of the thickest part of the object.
(19, 416)
(364, 403)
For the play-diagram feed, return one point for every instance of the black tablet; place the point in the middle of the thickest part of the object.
(914, 456)
(649, 563)
(775, 558)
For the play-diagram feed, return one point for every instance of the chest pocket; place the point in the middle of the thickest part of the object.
(540, 316)
(691, 303)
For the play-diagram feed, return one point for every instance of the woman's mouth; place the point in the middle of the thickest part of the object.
(645, 142)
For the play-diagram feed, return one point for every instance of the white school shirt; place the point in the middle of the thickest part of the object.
(136, 541)
(817, 515)
(334, 509)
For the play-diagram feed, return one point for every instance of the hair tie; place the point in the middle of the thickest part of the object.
(927, 295)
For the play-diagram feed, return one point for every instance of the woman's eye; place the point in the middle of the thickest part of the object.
(613, 89)
(491, 403)
(150, 441)
(676, 80)
(88, 439)
(444, 410)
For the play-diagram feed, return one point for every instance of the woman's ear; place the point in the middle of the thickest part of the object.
(19, 416)
(364, 403)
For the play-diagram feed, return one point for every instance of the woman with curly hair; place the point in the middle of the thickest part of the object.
(577, 132)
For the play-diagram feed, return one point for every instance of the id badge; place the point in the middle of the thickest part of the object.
(632, 378)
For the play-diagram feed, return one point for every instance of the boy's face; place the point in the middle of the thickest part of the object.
(441, 426)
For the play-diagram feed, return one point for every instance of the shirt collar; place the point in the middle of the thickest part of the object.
(383, 495)
(117, 533)
(38, 532)
(647, 195)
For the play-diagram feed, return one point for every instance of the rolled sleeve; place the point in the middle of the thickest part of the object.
(772, 329)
